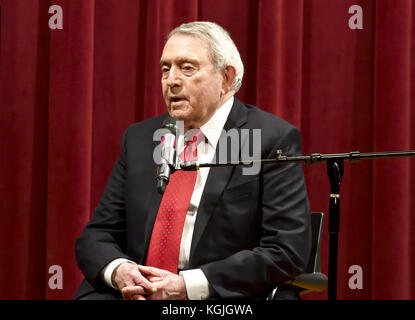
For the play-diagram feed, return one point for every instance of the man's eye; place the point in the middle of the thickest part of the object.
(187, 68)
(165, 69)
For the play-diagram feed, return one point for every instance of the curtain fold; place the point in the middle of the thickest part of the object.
(392, 216)
(278, 86)
(66, 96)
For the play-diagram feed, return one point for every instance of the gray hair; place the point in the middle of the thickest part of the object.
(223, 49)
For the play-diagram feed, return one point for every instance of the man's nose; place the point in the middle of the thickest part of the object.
(174, 77)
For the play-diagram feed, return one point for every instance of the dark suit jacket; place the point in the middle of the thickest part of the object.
(251, 232)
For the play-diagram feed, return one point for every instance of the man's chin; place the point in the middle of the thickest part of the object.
(179, 115)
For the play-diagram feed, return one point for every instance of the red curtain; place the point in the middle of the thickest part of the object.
(67, 95)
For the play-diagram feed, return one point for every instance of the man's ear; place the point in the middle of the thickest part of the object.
(229, 74)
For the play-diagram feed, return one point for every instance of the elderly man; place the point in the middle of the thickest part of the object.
(234, 235)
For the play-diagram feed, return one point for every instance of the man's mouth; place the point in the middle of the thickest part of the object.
(176, 99)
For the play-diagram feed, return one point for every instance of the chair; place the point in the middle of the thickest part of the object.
(312, 279)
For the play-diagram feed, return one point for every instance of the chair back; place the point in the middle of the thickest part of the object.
(317, 220)
(312, 279)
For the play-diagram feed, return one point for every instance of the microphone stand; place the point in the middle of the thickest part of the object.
(335, 170)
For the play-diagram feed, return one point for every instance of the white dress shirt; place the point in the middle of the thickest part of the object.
(197, 286)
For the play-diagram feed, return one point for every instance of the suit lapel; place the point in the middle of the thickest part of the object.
(217, 179)
(151, 218)
(154, 204)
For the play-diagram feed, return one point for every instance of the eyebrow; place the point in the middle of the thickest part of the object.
(180, 61)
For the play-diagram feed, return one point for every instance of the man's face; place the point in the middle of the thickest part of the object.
(191, 85)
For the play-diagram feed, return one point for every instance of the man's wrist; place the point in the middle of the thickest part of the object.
(183, 287)
(108, 273)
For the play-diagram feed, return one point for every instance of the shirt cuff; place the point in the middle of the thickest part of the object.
(197, 285)
(106, 273)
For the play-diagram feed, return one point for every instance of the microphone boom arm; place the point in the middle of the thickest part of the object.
(313, 158)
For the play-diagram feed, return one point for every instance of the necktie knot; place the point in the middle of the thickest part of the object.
(192, 138)
(189, 142)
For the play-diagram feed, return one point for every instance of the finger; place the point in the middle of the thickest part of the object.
(129, 292)
(153, 271)
(126, 293)
(142, 281)
(130, 281)
(154, 279)
(138, 297)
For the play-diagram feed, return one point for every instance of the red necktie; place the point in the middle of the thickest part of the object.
(167, 232)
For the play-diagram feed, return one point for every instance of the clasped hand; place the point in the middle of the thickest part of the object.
(138, 282)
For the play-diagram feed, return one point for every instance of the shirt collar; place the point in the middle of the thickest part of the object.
(213, 128)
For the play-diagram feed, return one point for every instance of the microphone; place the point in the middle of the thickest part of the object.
(168, 154)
